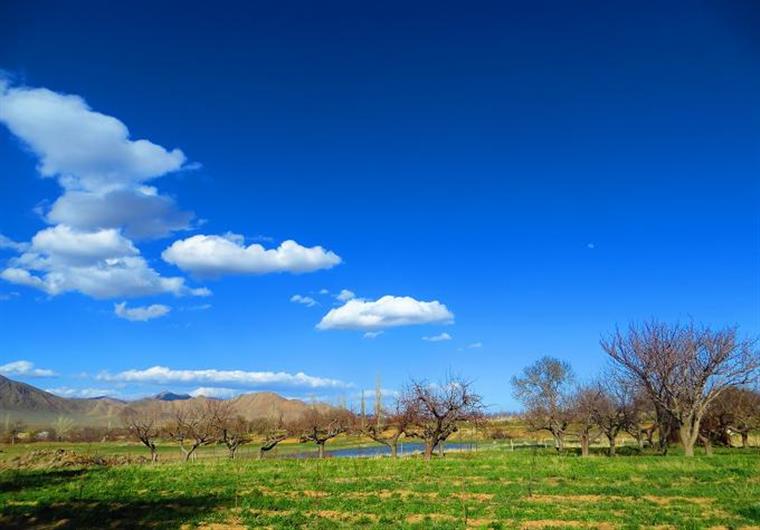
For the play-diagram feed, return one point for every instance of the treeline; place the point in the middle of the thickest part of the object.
(426, 412)
(665, 383)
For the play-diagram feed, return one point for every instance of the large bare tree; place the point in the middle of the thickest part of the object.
(544, 388)
(268, 432)
(145, 424)
(193, 425)
(320, 426)
(437, 411)
(389, 426)
(683, 368)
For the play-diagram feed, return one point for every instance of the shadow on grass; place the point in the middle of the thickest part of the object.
(26, 480)
(117, 514)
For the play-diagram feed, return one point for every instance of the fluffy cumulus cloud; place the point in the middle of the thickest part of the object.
(386, 312)
(143, 213)
(25, 369)
(437, 338)
(308, 301)
(84, 149)
(101, 264)
(140, 314)
(163, 374)
(212, 255)
(105, 201)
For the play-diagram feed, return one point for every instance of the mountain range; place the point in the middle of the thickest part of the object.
(36, 407)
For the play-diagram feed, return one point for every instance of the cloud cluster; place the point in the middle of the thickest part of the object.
(386, 312)
(163, 374)
(140, 314)
(211, 255)
(25, 369)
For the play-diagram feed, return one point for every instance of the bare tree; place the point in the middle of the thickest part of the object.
(544, 389)
(683, 368)
(144, 423)
(737, 410)
(321, 426)
(269, 432)
(585, 403)
(389, 427)
(618, 409)
(63, 427)
(436, 411)
(193, 426)
(231, 429)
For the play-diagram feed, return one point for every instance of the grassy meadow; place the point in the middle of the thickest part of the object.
(490, 488)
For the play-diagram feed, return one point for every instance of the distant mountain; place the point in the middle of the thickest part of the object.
(171, 396)
(36, 407)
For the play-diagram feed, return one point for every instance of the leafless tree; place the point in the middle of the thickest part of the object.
(320, 426)
(268, 433)
(193, 426)
(389, 427)
(737, 410)
(436, 411)
(63, 427)
(544, 388)
(683, 368)
(585, 403)
(230, 428)
(144, 423)
(618, 408)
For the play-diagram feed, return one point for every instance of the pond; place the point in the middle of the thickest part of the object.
(382, 450)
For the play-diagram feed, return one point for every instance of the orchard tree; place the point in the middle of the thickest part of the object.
(584, 407)
(618, 409)
(193, 426)
(435, 412)
(544, 388)
(268, 432)
(389, 426)
(320, 426)
(683, 368)
(231, 429)
(144, 423)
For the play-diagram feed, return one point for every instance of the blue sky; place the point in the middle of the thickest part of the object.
(520, 178)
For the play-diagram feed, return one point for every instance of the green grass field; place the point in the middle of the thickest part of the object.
(493, 488)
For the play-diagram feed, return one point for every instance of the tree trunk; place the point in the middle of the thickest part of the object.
(613, 441)
(440, 449)
(687, 440)
(708, 445)
(394, 449)
(429, 449)
(584, 445)
(233, 450)
(559, 441)
(321, 447)
(745, 439)
(153, 454)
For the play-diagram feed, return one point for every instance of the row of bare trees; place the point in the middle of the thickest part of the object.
(427, 412)
(687, 383)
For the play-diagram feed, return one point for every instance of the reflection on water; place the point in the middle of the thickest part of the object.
(382, 450)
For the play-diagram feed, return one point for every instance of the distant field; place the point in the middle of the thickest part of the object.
(493, 488)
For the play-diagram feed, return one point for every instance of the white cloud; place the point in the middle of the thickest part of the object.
(591, 246)
(141, 212)
(84, 149)
(372, 334)
(8, 243)
(324, 291)
(438, 338)
(475, 345)
(101, 264)
(308, 301)
(211, 255)
(345, 295)
(140, 314)
(25, 368)
(69, 392)
(216, 392)
(388, 311)
(162, 374)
